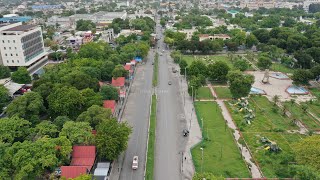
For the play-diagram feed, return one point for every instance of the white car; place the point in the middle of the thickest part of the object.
(135, 162)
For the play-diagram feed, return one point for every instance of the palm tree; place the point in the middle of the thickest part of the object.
(275, 99)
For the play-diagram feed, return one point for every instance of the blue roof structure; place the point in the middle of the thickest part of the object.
(44, 7)
(138, 59)
(15, 19)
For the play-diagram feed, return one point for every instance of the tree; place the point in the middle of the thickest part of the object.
(264, 62)
(119, 71)
(304, 60)
(232, 46)
(109, 92)
(183, 64)
(106, 71)
(59, 121)
(241, 64)
(239, 83)
(77, 132)
(194, 84)
(95, 50)
(84, 25)
(112, 138)
(301, 77)
(218, 71)
(14, 129)
(21, 76)
(289, 22)
(95, 115)
(197, 67)
(307, 152)
(305, 172)
(65, 101)
(45, 128)
(262, 35)
(314, 8)
(4, 97)
(251, 40)
(4, 72)
(91, 98)
(315, 70)
(29, 106)
(80, 80)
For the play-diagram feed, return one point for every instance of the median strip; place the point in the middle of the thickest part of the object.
(155, 70)
(151, 139)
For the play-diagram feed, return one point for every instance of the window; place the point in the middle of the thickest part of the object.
(11, 55)
(16, 54)
(10, 48)
(12, 61)
(2, 41)
(8, 41)
(14, 41)
(6, 54)
(4, 48)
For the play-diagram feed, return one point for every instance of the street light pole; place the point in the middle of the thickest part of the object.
(201, 159)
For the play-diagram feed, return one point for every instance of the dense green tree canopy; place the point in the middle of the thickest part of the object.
(301, 77)
(4, 72)
(79, 133)
(21, 76)
(95, 115)
(13, 129)
(109, 92)
(112, 138)
(4, 97)
(240, 84)
(218, 71)
(29, 106)
(264, 62)
(84, 25)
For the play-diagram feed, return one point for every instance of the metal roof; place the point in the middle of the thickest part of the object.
(102, 169)
(23, 27)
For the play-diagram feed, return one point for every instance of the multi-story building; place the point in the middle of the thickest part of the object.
(21, 45)
(203, 37)
(107, 35)
(256, 4)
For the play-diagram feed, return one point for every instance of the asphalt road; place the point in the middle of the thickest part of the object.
(170, 122)
(137, 115)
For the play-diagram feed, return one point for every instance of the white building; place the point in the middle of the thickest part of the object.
(203, 37)
(107, 35)
(21, 44)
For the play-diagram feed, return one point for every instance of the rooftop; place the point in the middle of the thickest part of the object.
(118, 82)
(73, 171)
(111, 104)
(24, 27)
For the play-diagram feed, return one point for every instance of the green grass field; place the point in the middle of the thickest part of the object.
(204, 93)
(214, 58)
(223, 92)
(221, 156)
(272, 125)
(281, 68)
(305, 118)
(151, 140)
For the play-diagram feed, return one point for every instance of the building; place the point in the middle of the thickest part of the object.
(15, 19)
(203, 37)
(21, 45)
(74, 42)
(102, 171)
(118, 82)
(128, 32)
(99, 17)
(307, 3)
(256, 4)
(110, 104)
(107, 35)
(188, 32)
(87, 37)
(64, 22)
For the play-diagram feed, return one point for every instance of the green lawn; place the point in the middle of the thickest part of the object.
(315, 92)
(204, 93)
(221, 156)
(223, 92)
(151, 140)
(305, 118)
(214, 58)
(155, 70)
(281, 68)
(269, 124)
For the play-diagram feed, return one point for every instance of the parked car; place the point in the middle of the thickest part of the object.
(135, 162)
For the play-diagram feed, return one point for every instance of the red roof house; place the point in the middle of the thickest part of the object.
(127, 67)
(73, 171)
(83, 156)
(119, 82)
(111, 104)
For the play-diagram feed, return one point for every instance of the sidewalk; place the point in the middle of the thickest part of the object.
(195, 135)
